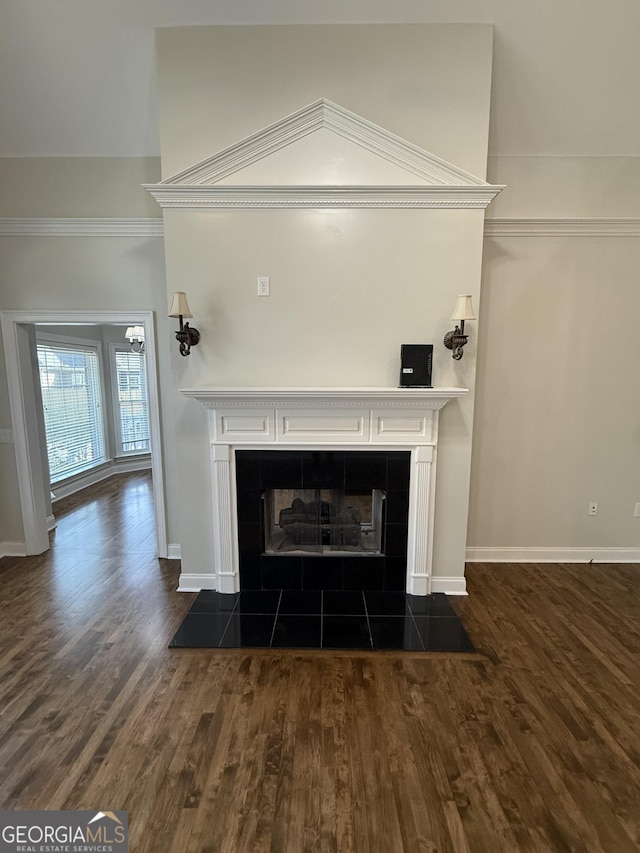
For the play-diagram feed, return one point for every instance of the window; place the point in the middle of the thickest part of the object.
(131, 407)
(72, 402)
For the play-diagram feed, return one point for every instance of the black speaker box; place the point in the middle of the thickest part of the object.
(415, 365)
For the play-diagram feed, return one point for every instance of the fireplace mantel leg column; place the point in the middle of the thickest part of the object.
(224, 539)
(420, 545)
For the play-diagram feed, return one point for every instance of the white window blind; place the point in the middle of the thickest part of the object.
(72, 401)
(133, 408)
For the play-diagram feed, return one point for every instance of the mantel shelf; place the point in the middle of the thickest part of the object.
(431, 398)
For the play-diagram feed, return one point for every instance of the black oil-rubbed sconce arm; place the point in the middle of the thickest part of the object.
(456, 339)
(187, 335)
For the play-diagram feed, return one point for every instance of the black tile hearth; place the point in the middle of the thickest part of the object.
(251, 601)
(254, 630)
(339, 603)
(394, 632)
(297, 632)
(298, 601)
(386, 604)
(436, 604)
(346, 632)
(201, 630)
(323, 619)
(443, 634)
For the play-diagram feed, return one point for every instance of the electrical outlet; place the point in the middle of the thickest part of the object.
(264, 285)
(593, 508)
(636, 511)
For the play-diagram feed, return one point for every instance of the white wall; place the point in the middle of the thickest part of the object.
(78, 78)
(557, 421)
(348, 286)
(220, 84)
(77, 186)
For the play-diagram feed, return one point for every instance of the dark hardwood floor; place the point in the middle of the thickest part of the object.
(531, 745)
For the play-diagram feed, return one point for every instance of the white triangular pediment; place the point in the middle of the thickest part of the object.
(323, 155)
(321, 159)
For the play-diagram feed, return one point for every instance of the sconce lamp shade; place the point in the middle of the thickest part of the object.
(464, 308)
(179, 305)
(134, 333)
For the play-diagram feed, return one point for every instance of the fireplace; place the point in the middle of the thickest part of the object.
(322, 521)
(322, 488)
(310, 519)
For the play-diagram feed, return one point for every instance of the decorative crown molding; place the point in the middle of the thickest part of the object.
(154, 227)
(326, 197)
(80, 227)
(562, 227)
(439, 184)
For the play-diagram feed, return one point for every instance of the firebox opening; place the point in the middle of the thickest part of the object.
(323, 521)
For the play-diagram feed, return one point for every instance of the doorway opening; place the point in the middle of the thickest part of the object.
(18, 329)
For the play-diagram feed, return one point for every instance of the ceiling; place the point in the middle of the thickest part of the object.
(77, 77)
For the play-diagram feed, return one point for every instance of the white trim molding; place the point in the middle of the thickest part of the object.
(194, 583)
(450, 586)
(154, 227)
(437, 183)
(553, 555)
(562, 227)
(13, 549)
(80, 227)
(174, 551)
(325, 197)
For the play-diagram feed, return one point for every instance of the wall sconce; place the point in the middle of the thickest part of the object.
(135, 336)
(456, 339)
(187, 336)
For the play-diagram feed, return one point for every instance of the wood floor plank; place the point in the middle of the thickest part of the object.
(532, 745)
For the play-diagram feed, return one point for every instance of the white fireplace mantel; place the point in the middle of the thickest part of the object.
(433, 397)
(308, 418)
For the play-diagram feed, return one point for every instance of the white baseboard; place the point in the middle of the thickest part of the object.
(194, 583)
(553, 555)
(51, 523)
(174, 551)
(123, 464)
(97, 475)
(449, 585)
(13, 549)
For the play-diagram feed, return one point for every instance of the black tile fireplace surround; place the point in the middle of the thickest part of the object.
(261, 470)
